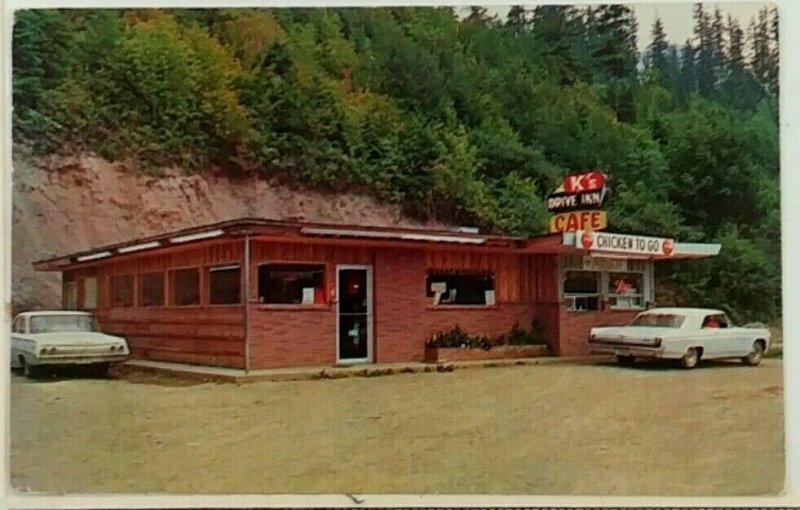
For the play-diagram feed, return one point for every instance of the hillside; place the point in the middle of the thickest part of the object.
(67, 204)
(460, 118)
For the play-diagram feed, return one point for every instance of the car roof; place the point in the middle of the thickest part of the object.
(53, 312)
(686, 311)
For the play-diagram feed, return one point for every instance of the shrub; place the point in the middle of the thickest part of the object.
(457, 337)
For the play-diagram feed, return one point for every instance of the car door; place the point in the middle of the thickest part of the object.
(728, 338)
(17, 329)
(739, 338)
(713, 341)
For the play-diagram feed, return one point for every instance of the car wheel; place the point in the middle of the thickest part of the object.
(626, 360)
(101, 369)
(30, 371)
(690, 359)
(755, 356)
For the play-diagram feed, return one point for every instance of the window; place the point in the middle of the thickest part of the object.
(658, 320)
(151, 291)
(291, 283)
(19, 325)
(122, 290)
(460, 288)
(224, 285)
(716, 321)
(70, 295)
(625, 290)
(581, 290)
(185, 287)
(90, 292)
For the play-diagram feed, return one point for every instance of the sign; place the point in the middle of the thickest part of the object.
(578, 220)
(559, 202)
(589, 181)
(605, 264)
(622, 243)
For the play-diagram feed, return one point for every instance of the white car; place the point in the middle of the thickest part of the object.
(52, 338)
(684, 334)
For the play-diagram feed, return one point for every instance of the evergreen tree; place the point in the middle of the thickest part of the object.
(559, 34)
(704, 52)
(761, 59)
(615, 55)
(736, 45)
(480, 16)
(518, 17)
(657, 51)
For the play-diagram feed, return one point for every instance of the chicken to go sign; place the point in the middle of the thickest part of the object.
(576, 202)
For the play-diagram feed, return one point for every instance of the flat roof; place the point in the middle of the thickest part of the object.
(288, 231)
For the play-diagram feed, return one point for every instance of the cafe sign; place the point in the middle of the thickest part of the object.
(623, 243)
(578, 220)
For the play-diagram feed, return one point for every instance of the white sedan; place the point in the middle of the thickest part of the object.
(52, 338)
(684, 334)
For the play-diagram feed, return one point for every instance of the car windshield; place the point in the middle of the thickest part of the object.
(658, 320)
(61, 323)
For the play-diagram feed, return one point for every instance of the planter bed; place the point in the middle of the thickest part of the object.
(439, 354)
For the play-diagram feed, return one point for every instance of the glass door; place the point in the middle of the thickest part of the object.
(354, 314)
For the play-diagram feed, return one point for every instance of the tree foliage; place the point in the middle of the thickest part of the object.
(454, 113)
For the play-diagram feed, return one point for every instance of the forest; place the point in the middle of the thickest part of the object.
(453, 113)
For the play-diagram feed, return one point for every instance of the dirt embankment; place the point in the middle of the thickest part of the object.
(63, 205)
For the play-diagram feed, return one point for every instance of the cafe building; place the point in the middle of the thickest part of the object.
(256, 293)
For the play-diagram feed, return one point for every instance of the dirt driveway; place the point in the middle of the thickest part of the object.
(548, 429)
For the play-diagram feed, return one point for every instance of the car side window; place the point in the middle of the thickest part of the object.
(723, 321)
(19, 325)
(715, 321)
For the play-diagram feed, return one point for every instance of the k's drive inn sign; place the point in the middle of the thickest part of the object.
(622, 243)
(577, 201)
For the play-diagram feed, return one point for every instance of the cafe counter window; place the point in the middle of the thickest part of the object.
(582, 290)
(626, 291)
(291, 284)
(460, 288)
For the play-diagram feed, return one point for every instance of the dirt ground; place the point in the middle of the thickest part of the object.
(547, 429)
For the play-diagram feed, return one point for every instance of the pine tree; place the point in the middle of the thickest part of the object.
(560, 34)
(687, 81)
(736, 44)
(704, 52)
(480, 15)
(518, 17)
(656, 56)
(761, 57)
(774, 55)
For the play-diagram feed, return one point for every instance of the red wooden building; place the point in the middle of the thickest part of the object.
(256, 293)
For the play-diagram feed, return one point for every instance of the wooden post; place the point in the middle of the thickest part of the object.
(246, 300)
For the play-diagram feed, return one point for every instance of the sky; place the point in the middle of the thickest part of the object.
(677, 17)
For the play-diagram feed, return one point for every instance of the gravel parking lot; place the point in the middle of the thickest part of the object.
(550, 429)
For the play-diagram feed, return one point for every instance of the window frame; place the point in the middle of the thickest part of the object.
(113, 296)
(429, 294)
(640, 294)
(572, 297)
(324, 285)
(84, 287)
(140, 289)
(224, 267)
(171, 283)
(67, 287)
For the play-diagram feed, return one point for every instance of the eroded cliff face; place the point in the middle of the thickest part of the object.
(63, 205)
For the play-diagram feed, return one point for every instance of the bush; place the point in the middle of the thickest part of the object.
(458, 338)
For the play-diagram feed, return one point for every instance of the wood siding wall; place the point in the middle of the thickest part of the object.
(203, 334)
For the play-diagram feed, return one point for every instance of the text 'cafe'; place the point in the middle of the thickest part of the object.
(259, 293)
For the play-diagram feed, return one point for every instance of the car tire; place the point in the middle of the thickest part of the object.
(30, 371)
(626, 360)
(690, 359)
(101, 370)
(755, 356)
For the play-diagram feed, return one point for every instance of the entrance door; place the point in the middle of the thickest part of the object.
(354, 314)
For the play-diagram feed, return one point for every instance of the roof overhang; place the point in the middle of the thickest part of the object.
(284, 230)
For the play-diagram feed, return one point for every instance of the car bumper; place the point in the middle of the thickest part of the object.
(619, 349)
(78, 360)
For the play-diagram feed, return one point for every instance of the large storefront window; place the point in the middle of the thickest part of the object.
(582, 290)
(626, 290)
(291, 284)
(460, 288)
